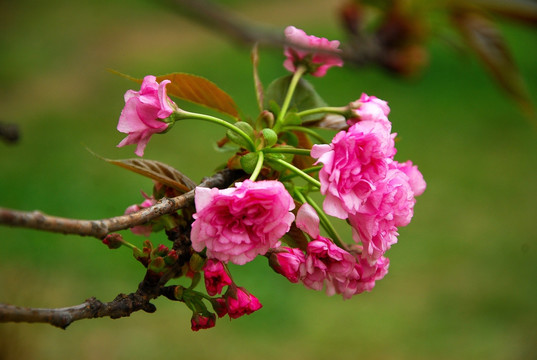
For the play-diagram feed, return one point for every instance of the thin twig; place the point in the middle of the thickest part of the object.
(100, 228)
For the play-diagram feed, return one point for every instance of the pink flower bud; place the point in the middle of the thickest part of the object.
(240, 302)
(202, 321)
(287, 262)
(216, 277)
(143, 113)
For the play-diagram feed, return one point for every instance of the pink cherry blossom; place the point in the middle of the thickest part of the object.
(362, 278)
(240, 302)
(237, 224)
(287, 262)
(370, 108)
(317, 62)
(325, 262)
(202, 321)
(389, 206)
(415, 178)
(215, 276)
(144, 230)
(352, 164)
(143, 111)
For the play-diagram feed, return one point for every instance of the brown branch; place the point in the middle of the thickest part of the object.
(100, 228)
(122, 306)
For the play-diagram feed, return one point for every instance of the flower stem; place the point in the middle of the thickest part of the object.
(299, 172)
(183, 115)
(325, 110)
(326, 224)
(258, 165)
(287, 150)
(290, 91)
(310, 132)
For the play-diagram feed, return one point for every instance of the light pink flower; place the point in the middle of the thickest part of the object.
(240, 302)
(237, 224)
(317, 62)
(144, 230)
(287, 261)
(389, 206)
(352, 164)
(143, 111)
(370, 108)
(415, 178)
(202, 321)
(215, 276)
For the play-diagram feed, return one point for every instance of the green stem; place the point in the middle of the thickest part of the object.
(326, 224)
(290, 91)
(325, 110)
(258, 165)
(287, 150)
(308, 131)
(307, 170)
(299, 172)
(183, 115)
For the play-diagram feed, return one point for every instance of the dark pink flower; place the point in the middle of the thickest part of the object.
(240, 302)
(202, 321)
(287, 262)
(216, 277)
(144, 230)
(237, 224)
(306, 53)
(352, 164)
(389, 206)
(143, 113)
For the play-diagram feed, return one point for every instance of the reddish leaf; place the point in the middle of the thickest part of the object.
(200, 91)
(520, 10)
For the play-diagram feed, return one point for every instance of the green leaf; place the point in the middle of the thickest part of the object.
(236, 138)
(305, 97)
(195, 89)
(280, 156)
(270, 136)
(292, 119)
(248, 162)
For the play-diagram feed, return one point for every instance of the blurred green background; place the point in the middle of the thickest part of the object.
(463, 277)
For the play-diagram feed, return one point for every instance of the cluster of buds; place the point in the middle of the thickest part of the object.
(157, 260)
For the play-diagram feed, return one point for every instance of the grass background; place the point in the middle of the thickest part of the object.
(462, 281)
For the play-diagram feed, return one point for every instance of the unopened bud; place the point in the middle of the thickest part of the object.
(113, 241)
(196, 262)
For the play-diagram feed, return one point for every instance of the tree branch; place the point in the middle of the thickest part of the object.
(100, 228)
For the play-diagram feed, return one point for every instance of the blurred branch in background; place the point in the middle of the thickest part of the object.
(9, 133)
(393, 34)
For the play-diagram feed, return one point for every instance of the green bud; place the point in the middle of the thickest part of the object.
(270, 136)
(238, 139)
(248, 162)
(157, 265)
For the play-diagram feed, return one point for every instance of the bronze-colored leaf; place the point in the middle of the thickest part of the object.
(200, 91)
(519, 10)
(485, 39)
(157, 171)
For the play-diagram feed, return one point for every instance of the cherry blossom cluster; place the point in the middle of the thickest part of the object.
(267, 212)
